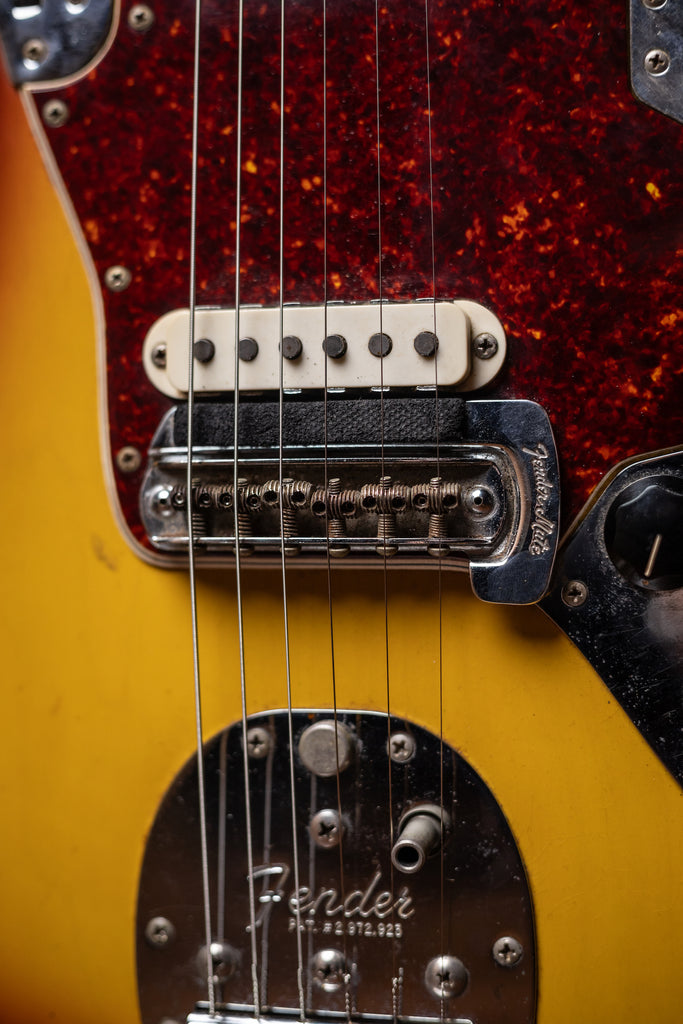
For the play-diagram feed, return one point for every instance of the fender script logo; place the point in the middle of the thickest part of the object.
(541, 528)
(361, 903)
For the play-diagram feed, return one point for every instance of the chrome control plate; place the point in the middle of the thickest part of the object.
(374, 935)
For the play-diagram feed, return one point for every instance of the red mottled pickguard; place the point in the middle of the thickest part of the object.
(557, 197)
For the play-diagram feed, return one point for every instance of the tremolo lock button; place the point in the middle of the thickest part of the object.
(420, 833)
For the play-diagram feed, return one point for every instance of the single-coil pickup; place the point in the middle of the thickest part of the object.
(354, 345)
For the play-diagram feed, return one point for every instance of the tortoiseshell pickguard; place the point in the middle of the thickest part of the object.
(557, 198)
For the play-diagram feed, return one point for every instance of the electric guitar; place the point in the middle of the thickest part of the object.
(413, 417)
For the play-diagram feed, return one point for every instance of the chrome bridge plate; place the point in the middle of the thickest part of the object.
(485, 499)
(372, 933)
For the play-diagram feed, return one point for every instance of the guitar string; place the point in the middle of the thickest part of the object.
(206, 896)
(438, 474)
(328, 556)
(385, 518)
(235, 484)
(285, 604)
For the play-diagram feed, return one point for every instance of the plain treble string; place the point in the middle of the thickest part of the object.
(190, 530)
(235, 482)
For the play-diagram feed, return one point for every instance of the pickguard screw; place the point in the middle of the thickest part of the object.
(485, 346)
(258, 742)
(326, 829)
(507, 951)
(34, 52)
(117, 278)
(657, 62)
(55, 113)
(446, 976)
(160, 932)
(140, 18)
(159, 355)
(574, 593)
(128, 459)
(401, 747)
(328, 969)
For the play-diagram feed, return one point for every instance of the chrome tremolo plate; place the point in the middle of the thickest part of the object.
(375, 935)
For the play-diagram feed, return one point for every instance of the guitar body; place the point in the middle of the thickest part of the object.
(98, 712)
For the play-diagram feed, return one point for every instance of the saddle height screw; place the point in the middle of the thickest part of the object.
(446, 977)
(259, 742)
(401, 747)
(485, 346)
(55, 113)
(507, 951)
(574, 593)
(140, 18)
(326, 828)
(657, 62)
(159, 932)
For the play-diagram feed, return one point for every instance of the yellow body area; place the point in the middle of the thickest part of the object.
(97, 695)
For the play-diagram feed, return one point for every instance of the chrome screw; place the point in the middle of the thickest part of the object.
(507, 951)
(328, 969)
(326, 828)
(485, 346)
(258, 742)
(140, 17)
(159, 355)
(223, 961)
(55, 113)
(159, 932)
(128, 459)
(446, 977)
(34, 52)
(654, 5)
(574, 593)
(117, 278)
(657, 62)
(401, 747)
(480, 501)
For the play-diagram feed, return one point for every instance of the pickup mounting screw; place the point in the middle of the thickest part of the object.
(117, 278)
(657, 62)
(485, 346)
(159, 355)
(258, 742)
(446, 976)
(128, 459)
(507, 951)
(160, 932)
(326, 829)
(574, 593)
(140, 17)
(328, 969)
(55, 113)
(401, 747)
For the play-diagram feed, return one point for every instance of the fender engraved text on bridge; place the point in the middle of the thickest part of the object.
(541, 528)
(360, 904)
